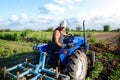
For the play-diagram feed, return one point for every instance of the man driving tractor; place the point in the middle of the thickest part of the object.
(58, 35)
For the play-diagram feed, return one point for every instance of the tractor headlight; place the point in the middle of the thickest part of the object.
(35, 48)
(64, 51)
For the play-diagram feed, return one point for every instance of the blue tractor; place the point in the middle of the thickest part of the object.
(72, 59)
(70, 63)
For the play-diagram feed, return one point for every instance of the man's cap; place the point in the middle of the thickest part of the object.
(63, 24)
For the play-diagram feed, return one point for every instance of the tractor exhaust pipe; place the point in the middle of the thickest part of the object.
(84, 34)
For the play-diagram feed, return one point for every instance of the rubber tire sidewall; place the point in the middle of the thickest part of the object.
(72, 65)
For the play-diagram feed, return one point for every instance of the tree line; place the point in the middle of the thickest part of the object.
(106, 28)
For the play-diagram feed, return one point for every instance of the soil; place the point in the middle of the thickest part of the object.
(110, 45)
(108, 37)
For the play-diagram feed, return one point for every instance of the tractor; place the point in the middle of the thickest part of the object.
(69, 63)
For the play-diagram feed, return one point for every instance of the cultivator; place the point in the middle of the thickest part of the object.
(29, 71)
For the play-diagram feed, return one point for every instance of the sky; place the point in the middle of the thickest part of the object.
(42, 14)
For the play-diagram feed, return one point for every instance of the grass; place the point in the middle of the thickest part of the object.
(15, 52)
(8, 48)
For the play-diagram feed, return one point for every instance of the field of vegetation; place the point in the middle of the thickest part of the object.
(16, 46)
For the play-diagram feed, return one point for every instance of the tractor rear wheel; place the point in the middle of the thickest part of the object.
(77, 66)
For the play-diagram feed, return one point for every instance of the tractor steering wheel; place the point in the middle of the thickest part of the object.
(68, 39)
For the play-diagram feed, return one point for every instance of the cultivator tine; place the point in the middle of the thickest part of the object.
(5, 72)
(56, 73)
(42, 77)
(18, 75)
(26, 63)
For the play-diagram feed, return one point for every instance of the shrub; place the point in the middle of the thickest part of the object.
(115, 73)
(78, 34)
(98, 68)
(96, 71)
(90, 37)
(108, 55)
(8, 36)
(24, 33)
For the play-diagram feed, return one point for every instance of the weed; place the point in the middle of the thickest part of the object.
(90, 37)
(114, 75)
(96, 71)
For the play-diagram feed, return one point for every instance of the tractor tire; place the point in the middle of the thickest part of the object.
(77, 66)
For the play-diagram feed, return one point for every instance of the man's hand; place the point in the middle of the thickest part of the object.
(64, 45)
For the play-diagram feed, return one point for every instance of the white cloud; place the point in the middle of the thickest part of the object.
(96, 22)
(19, 22)
(13, 18)
(99, 21)
(24, 16)
(68, 4)
(70, 7)
(66, 1)
(52, 8)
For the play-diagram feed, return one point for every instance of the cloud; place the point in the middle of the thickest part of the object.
(96, 22)
(66, 1)
(13, 18)
(23, 21)
(70, 7)
(68, 4)
(61, 6)
(52, 8)
(40, 22)
(99, 21)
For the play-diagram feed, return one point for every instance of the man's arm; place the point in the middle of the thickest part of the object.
(64, 33)
(56, 38)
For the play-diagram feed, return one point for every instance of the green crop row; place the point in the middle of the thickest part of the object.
(107, 56)
(96, 71)
(115, 73)
(42, 37)
(9, 48)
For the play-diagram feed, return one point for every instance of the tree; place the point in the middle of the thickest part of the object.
(50, 29)
(106, 28)
(118, 30)
(78, 28)
(67, 29)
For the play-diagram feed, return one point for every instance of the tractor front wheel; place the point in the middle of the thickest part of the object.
(77, 66)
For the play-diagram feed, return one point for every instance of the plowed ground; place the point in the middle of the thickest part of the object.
(108, 43)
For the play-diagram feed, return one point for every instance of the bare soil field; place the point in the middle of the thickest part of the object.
(109, 37)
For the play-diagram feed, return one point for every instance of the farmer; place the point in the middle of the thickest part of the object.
(57, 43)
(58, 34)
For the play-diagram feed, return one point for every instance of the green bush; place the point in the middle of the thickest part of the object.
(96, 71)
(8, 36)
(91, 37)
(115, 73)
(108, 55)
(24, 33)
(98, 68)
(78, 34)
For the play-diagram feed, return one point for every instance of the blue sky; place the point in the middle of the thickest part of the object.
(42, 14)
